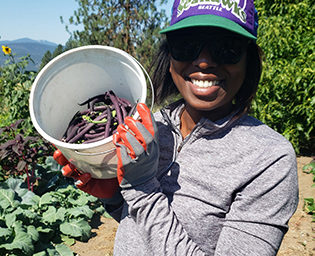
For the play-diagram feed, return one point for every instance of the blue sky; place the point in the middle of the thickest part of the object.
(39, 19)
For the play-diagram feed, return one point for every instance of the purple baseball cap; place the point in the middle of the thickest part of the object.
(238, 16)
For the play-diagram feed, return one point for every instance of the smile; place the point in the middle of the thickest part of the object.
(204, 83)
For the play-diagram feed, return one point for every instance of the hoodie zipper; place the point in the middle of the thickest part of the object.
(177, 131)
(177, 136)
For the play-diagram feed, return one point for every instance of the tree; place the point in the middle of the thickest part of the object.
(57, 51)
(286, 96)
(131, 25)
(48, 56)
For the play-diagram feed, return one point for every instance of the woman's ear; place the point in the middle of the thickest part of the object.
(170, 67)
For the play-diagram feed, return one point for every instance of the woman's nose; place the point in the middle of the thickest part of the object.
(204, 60)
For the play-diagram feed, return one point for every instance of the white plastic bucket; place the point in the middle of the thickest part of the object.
(72, 78)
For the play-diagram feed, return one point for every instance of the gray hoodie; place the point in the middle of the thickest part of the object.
(229, 188)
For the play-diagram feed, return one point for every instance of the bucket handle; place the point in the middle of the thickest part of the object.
(150, 82)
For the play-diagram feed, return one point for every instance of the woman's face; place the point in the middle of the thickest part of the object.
(209, 82)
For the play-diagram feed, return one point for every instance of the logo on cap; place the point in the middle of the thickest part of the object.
(233, 6)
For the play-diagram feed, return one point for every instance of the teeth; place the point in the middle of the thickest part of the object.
(203, 83)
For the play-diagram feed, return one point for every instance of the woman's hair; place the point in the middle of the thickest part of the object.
(165, 87)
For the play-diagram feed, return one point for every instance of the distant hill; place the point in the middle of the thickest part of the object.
(22, 47)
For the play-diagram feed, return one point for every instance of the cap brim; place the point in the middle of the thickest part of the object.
(207, 20)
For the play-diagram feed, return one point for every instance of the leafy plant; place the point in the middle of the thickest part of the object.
(309, 207)
(286, 97)
(19, 154)
(48, 177)
(42, 225)
(15, 84)
(310, 169)
(309, 203)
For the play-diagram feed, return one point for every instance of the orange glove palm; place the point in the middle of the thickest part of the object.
(101, 188)
(137, 149)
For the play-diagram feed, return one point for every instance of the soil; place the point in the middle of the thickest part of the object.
(299, 240)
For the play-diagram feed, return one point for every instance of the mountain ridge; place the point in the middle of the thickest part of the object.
(24, 46)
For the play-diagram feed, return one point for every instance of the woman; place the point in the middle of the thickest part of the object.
(204, 178)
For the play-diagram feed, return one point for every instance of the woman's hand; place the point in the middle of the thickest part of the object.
(137, 149)
(101, 188)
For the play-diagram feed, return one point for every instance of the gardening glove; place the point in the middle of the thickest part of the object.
(107, 189)
(137, 149)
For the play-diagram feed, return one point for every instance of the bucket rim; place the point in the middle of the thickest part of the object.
(44, 70)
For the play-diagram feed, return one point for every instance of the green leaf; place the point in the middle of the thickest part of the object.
(44, 230)
(10, 219)
(7, 199)
(81, 199)
(32, 231)
(26, 196)
(51, 198)
(76, 228)
(67, 240)
(22, 241)
(5, 233)
(308, 168)
(49, 216)
(91, 198)
(48, 251)
(106, 215)
(64, 250)
(42, 253)
(47, 198)
(309, 206)
(83, 211)
(61, 213)
(100, 210)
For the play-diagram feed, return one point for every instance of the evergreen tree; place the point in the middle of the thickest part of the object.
(46, 58)
(130, 25)
(58, 50)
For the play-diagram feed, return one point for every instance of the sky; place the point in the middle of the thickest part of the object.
(39, 19)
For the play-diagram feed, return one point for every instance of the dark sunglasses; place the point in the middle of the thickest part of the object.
(224, 49)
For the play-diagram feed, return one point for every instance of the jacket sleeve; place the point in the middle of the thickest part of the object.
(113, 206)
(258, 218)
(255, 224)
(161, 231)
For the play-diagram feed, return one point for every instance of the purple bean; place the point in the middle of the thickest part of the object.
(96, 130)
(108, 123)
(124, 102)
(96, 108)
(132, 110)
(94, 139)
(123, 111)
(100, 96)
(81, 129)
(86, 128)
(72, 132)
(93, 102)
(116, 106)
(95, 135)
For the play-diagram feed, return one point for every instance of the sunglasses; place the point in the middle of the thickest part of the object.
(223, 48)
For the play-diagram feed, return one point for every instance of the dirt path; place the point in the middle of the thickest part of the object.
(299, 241)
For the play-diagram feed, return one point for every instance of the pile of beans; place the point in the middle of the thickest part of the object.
(99, 120)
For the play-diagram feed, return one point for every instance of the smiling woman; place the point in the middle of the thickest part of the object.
(200, 176)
